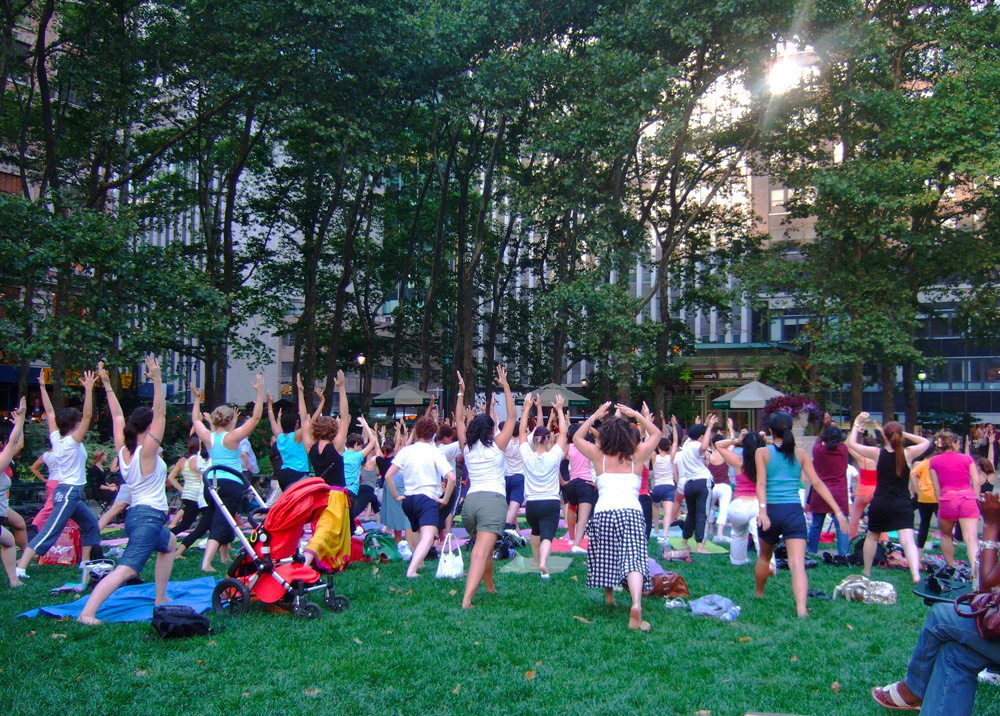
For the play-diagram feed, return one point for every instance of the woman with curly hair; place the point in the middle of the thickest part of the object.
(325, 439)
(617, 547)
(484, 513)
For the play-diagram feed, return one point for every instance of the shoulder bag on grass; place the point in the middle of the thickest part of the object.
(171, 621)
(985, 609)
(450, 564)
(670, 585)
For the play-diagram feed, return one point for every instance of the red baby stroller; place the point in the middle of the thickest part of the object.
(269, 567)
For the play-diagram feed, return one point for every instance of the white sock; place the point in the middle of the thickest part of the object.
(21, 574)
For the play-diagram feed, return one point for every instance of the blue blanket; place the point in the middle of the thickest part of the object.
(135, 603)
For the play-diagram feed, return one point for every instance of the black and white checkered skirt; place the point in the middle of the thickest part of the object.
(616, 546)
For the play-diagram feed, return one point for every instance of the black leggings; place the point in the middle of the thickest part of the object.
(697, 495)
(366, 496)
(231, 494)
(191, 510)
(926, 510)
(201, 529)
(646, 502)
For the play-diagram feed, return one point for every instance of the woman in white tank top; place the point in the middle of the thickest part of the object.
(617, 548)
(138, 443)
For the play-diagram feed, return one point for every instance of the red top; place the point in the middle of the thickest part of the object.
(831, 468)
(720, 473)
(644, 483)
(744, 488)
(867, 477)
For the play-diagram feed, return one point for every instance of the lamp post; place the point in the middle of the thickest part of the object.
(921, 376)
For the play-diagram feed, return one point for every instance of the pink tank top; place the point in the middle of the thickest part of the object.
(579, 465)
(744, 488)
(952, 470)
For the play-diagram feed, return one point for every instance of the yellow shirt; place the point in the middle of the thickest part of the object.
(925, 487)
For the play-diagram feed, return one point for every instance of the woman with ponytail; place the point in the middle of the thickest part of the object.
(779, 476)
(138, 443)
(891, 509)
(956, 485)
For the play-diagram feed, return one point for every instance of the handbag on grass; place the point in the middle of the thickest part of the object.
(668, 584)
(450, 563)
(985, 609)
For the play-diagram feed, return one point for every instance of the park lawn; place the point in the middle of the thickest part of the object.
(405, 647)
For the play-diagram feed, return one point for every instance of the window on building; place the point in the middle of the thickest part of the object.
(286, 371)
(779, 199)
(287, 340)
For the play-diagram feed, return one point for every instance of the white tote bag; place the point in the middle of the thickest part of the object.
(450, 564)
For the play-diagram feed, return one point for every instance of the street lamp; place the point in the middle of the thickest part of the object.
(360, 359)
(921, 376)
(584, 383)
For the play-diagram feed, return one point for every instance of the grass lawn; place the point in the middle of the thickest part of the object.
(414, 651)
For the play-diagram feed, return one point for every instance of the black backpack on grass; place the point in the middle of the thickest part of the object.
(172, 621)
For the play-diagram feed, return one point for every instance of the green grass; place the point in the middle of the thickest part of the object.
(419, 653)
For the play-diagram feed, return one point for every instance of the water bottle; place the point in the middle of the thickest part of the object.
(730, 614)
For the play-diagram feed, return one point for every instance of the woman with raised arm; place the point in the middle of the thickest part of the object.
(287, 435)
(664, 482)
(744, 509)
(137, 441)
(485, 510)
(326, 439)
(891, 509)
(617, 551)
(193, 489)
(867, 479)
(541, 459)
(780, 471)
(8, 548)
(693, 471)
(67, 429)
(941, 678)
(223, 442)
(956, 486)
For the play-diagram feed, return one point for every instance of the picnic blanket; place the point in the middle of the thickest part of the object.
(710, 547)
(135, 603)
(562, 545)
(520, 565)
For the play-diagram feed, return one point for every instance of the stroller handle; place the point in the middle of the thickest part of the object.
(231, 471)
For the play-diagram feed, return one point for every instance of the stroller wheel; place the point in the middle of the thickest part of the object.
(307, 610)
(231, 596)
(337, 602)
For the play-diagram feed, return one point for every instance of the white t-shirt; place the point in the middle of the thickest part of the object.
(541, 472)
(451, 451)
(691, 462)
(512, 455)
(487, 468)
(69, 460)
(423, 467)
(149, 490)
(663, 471)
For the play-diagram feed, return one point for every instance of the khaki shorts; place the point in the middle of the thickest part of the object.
(485, 512)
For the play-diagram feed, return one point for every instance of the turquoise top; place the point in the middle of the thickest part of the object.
(352, 469)
(293, 454)
(783, 478)
(221, 455)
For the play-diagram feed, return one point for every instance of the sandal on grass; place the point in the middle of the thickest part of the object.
(890, 698)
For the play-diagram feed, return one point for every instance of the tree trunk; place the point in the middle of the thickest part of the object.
(888, 392)
(857, 387)
(910, 391)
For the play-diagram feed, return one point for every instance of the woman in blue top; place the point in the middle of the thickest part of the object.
(779, 476)
(286, 434)
(223, 442)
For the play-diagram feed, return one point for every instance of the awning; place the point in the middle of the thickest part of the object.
(548, 392)
(402, 395)
(750, 396)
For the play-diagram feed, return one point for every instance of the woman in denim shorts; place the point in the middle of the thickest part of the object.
(143, 470)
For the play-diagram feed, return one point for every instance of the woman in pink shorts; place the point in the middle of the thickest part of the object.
(956, 483)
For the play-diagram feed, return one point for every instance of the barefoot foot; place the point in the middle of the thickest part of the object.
(89, 621)
(635, 620)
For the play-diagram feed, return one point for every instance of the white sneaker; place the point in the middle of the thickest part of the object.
(21, 574)
(577, 549)
(404, 551)
(358, 531)
(989, 677)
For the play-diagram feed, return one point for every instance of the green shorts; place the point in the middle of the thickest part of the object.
(484, 512)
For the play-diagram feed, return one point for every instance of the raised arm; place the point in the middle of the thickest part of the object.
(918, 448)
(460, 409)
(507, 433)
(706, 439)
(7, 454)
(89, 378)
(234, 436)
(275, 426)
(370, 440)
(525, 411)
(563, 425)
(344, 421)
(580, 436)
(50, 413)
(540, 419)
(200, 429)
(674, 437)
(648, 446)
(304, 417)
(154, 437)
(856, 448)
(320, 403)
(117, 415)
(732, 459)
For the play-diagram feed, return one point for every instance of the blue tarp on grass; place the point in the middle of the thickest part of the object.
(135, 603)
